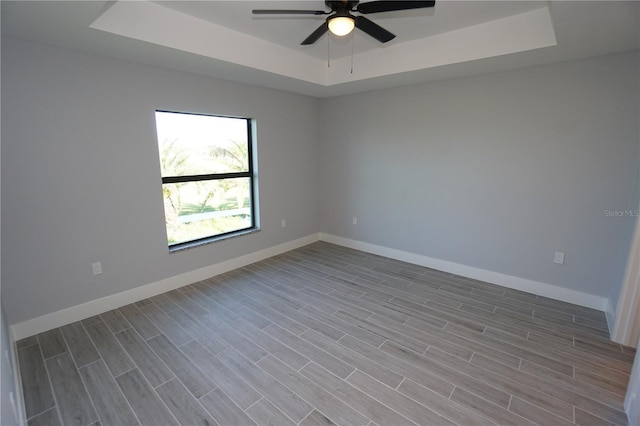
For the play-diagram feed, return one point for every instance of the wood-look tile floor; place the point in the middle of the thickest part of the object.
(328, 335)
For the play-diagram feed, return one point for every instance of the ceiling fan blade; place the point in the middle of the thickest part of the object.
(374, 30)
(288, 12)
(389, 6)
(316, 34)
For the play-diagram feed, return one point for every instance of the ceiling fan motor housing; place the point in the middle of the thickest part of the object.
(341, 6)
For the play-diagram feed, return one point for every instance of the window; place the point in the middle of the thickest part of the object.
(207, 176)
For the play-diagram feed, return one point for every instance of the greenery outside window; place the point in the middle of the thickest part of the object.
(207, 176)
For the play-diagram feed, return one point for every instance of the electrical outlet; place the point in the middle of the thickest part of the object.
(283, 223)
(97, 268)
(558, 257)
(355, 220)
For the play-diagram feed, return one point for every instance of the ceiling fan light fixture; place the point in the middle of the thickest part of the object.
(341, 25)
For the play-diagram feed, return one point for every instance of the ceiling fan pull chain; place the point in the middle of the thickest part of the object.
(353, 38)
(328, 51)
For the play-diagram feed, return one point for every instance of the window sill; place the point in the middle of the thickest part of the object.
(194, 244)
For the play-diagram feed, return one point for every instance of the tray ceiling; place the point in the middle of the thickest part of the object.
(223, 39)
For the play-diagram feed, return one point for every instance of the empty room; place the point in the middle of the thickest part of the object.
(320, 213)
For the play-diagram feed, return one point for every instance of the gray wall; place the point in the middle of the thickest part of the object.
(8, 390)
(495, 172)
(81, 175)
(614, 294)
(9, 393)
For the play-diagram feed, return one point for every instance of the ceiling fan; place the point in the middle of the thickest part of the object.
(341, 22)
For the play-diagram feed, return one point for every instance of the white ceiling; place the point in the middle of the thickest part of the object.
(223, 39)
(290, 30)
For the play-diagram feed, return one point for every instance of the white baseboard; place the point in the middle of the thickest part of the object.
(95, 307)
(611, 316)
(530, 286)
